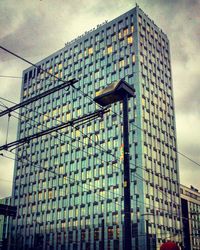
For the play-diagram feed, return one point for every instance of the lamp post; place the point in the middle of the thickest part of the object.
(121, 91)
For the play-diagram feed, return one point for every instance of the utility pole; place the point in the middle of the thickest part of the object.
(102, 234)
(127, 197)
(147, 229)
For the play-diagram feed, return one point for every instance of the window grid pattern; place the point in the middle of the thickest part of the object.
(69, 207)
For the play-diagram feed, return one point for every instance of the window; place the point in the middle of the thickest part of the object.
(109, 49)
(50, 194)
(90, 51)
(133, 58)
(126, 32)
(130, 39)
(121, 63)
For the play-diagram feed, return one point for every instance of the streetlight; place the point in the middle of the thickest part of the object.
(121, 91)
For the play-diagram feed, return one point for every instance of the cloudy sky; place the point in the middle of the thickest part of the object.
(35, 29)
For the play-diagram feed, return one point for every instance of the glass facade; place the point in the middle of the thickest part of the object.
(68, 185)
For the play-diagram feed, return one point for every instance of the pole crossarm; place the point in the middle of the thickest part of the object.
(90, 116)
(35, 98)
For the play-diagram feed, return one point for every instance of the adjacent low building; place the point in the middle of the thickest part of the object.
(4, 224)
(190, 204)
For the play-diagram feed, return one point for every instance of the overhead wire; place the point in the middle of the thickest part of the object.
(14, 77)
(64, 176)
(139, 201)
(79, 91)
(84, 94)
(61, 134)
(87, 189)
(117, 159)
(135, 175)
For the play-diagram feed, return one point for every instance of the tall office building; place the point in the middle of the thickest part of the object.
(190, 205)
(81, 205)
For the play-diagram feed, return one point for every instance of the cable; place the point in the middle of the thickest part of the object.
(84, 94)
(46, 71)
(119, 196)
(34, 65)
(74, 126)
(52, 75)
(14, 77)
(138, 176)
(142, 179)
(61, 134)
(69, 178)
(60, 175)
(185, 156)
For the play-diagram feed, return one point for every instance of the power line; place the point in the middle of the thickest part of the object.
(14, 77)
(185, 156)
(62, 175)
(46, 71)
(138, 176)
(142, 179)
(55, 77)
(117, 159)
(84, 94)
(34, 65)
(148, 204)
(62, 134)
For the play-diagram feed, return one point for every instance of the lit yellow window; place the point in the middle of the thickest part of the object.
(121, 63)
(68, 116)
(50, 195)
(133, 58)
(109, 49)
(60, 66)
(90, 51)
(45, 117)
(54, 113)
(121, 153)
(120, 35)
(125, 32)
(132, 28)
(143, 101)
(79, 112)
(50, 70)
(78, 133)
(130, 39)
